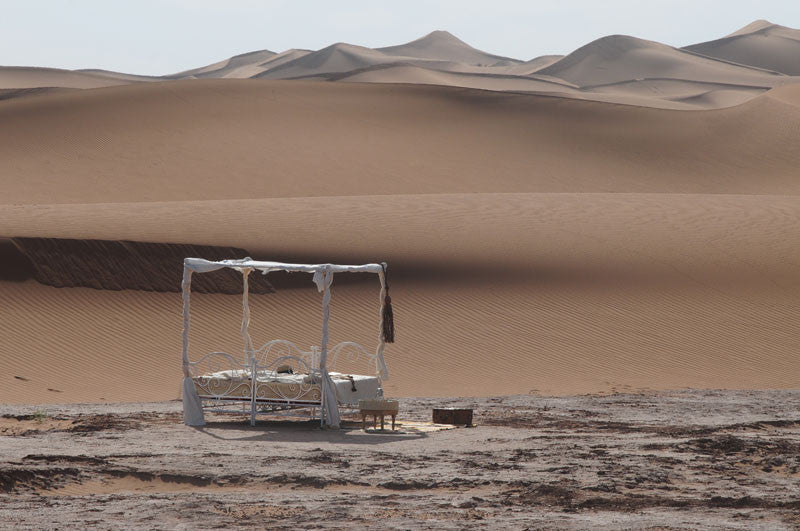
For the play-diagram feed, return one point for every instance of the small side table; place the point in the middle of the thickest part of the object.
(378, 408)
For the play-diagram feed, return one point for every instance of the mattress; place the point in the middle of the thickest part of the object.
(350, 388)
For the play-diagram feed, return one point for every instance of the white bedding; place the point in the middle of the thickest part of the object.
(366, 386)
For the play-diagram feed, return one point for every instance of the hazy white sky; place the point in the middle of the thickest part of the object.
(166, 36)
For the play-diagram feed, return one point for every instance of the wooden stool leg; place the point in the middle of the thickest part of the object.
(393, 417)
(381, 422)
(364, 422)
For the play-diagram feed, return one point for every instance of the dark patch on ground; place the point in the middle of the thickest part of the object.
(31, 479)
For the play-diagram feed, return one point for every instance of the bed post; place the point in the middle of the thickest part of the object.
(248, 342)
(192, 408)
(323, 370)
(330, 406)
(253, 389)
(380, 364)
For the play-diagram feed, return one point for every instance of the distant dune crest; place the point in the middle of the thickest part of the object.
(615, 69)
(444, 46)
(760, 44)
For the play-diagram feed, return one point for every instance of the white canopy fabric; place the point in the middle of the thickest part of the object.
(323, 278)
(203, 266)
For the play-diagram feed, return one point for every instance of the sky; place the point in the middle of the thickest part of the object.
(159, 37)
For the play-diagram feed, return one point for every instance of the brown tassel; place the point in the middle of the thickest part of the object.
(387, 316)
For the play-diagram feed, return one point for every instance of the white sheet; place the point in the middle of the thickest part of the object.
(366, 386)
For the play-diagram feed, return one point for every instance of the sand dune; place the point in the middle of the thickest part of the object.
(760, 44)
(22, 77)
(615, 69)
(341, 58)
(228, 139)
(622, 58)
(444, 46)
(337, 58)
(537, 244)
(283, 57)
(494, 293)
(654, 93)
(122, 76)
(7, 94)
(240, 66)
(566, 228)
(529, 67)
(713, 95)
(410, 74)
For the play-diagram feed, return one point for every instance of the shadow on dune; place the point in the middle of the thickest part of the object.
(119, 265)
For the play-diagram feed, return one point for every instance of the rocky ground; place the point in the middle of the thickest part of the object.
(704, 459)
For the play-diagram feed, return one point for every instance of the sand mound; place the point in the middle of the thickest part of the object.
(534, 65)
(279, 59)
(620, 58)
(444, 46)
(7, 94)
(536, 244)
(493, 293)
(789, 94)
(704, 95)
(23, 77)
(760, 44)
(118, 265)
(410, 74)
(653, 93)
(340, 57)
(239, 66)
(161, 142)
(741, 64)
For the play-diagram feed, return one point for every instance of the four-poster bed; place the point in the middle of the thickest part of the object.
(279, 375)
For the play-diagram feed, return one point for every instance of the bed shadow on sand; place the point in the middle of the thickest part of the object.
(305, 431)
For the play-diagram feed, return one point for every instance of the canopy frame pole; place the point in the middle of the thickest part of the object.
(247, 341)
(330, 410)
(192, 407)
(380, 364)
(323, 358)
(186, 284)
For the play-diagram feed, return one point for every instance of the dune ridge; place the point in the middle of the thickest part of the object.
(444, 46)
(409, 139)
(756, 58)
(619, 58)
(761, 44)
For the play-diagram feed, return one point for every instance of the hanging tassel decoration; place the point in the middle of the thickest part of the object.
(387, 316)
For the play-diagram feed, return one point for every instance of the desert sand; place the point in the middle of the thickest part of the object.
(619, 69)
(678, 460)
(537, 244)
(760, 44)
(596, 251)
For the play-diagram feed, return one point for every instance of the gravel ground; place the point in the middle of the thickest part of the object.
(702, 459)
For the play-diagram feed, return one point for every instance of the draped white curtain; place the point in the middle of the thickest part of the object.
(330, 403)
(192, 408)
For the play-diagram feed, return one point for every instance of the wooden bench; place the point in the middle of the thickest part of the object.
(378, 408)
